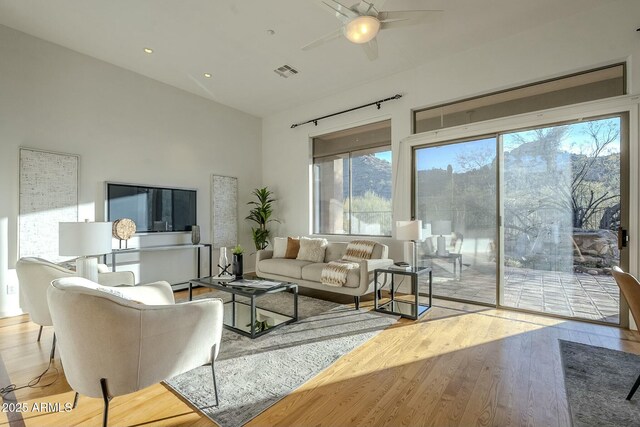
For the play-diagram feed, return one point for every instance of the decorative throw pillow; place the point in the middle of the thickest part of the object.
(358, 250)
(312, 249)
(293, 246)
(279, 247)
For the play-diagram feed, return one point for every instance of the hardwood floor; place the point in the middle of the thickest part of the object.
(459, 365)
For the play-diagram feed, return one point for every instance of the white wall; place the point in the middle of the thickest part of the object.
(126, 128)
(585, 40)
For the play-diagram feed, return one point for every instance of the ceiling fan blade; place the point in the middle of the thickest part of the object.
(366, 8)
(324, 39)
(378, 4)
(371, 49)
(406, 14)
(342, 12)
(398, 23)
(410, 4)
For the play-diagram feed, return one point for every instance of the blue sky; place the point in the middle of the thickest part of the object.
(484, 150)
(577, 140)
(386, 155)
(441, 157)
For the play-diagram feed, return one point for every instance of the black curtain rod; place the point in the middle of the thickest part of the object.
(376, 103)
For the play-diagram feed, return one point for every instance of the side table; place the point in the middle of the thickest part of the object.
(409, 309)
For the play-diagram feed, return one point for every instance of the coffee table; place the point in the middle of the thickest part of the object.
(246, 318)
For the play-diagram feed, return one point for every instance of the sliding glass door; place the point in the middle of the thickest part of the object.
(559, 196)
(455, 197)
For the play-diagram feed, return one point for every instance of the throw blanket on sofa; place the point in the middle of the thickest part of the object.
(335, 273)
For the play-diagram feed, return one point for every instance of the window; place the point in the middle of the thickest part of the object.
(582, 87)
(352, 181)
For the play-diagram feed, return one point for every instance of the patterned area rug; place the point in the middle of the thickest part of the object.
(597, 381)
(254, 374)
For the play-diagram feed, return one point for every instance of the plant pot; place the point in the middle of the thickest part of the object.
(237, 265)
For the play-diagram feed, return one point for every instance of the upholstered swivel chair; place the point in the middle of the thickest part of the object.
(631, 290)
(115, 341)
(35, 276)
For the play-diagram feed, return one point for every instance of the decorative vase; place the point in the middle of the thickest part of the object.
(237, 265)
(223, 262)
(195, 234)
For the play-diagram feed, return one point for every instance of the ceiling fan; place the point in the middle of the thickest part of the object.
(362, 22)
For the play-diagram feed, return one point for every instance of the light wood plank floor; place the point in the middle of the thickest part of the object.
(460, 365)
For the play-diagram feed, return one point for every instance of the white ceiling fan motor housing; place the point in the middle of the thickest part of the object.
(362, 29)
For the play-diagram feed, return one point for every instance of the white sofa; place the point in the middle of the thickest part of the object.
(307, 274)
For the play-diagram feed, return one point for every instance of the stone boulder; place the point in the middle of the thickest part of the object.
(595, 251)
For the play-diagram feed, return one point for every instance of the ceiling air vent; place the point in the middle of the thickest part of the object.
(286, 71)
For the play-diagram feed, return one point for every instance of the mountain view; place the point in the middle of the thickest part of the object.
(370, 174)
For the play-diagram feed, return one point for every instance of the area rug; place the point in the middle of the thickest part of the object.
(597, 381)
(254, 374)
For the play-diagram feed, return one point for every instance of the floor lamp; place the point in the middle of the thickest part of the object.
(86, 240)
(411, 231)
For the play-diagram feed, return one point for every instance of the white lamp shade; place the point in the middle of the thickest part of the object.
(84, 238)
(440, 228)
(409, 230)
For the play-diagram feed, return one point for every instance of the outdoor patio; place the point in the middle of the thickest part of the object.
(580, 295)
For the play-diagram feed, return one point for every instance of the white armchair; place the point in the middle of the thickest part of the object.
(35, 276)
(115, 341)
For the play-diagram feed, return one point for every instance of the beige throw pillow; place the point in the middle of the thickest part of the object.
(279, 247)
(312, 249)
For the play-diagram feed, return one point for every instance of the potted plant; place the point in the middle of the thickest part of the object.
(261, 215)
(237, 261)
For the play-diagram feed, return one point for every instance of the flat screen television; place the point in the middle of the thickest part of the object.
(153, 209)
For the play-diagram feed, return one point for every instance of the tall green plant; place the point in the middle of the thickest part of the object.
(261, 215)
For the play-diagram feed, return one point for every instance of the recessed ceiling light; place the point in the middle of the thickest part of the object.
(207, 75)
(148, 50)
(271, 32)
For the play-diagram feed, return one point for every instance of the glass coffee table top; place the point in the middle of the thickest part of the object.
(242, 286)
(244, 316)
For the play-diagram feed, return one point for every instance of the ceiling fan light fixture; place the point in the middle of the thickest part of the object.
(362, 29)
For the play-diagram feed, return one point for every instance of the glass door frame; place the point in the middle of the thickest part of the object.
(626, 107)
(445, 143)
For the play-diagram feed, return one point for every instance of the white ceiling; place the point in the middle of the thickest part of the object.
(228, 38)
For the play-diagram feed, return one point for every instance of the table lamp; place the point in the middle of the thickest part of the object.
(440, 229)
(411, 231)
(86, 240)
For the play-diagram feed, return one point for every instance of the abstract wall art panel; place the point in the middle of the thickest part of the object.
(48, 195)
(224, 211)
